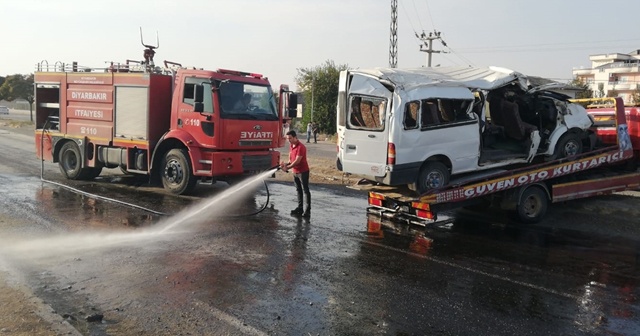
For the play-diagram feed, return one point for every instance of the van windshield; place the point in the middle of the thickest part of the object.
(246, 101)
(366, 113)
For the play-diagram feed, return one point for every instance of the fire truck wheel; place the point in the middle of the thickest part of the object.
(70, 162)
(94, 172)
(177, 175)
(432, 175)
(532, 205)
(568, 145)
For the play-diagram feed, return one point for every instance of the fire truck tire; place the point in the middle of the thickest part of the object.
(177, 173)
(569, 145)
(92, 172)
(432, 175)
(70, 162)
(532, 205)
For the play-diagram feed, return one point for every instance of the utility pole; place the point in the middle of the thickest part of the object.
(313, 88)
(428, 44)
(393, 39)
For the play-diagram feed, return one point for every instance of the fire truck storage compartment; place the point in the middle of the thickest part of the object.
(131, 111)
(48, 107)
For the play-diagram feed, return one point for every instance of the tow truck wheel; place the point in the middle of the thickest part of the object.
(70, 162)
(569, 145)
(177, 176)
(432, 176)
(532, 205)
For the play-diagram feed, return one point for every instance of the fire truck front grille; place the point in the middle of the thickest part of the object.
(248, 143)
(252, 163)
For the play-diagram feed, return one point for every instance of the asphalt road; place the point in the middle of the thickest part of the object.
(208, 267)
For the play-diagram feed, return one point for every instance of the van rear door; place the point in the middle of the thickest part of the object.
(363, 146)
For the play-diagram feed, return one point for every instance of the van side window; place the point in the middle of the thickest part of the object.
(448, 110)
(411, 115)
(366, 113)
(429, 114)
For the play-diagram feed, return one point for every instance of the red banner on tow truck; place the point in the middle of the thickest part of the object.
(524, 178)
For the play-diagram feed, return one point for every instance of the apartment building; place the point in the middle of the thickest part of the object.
(613, 72)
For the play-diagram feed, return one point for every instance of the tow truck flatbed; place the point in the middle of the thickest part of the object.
(526, 191)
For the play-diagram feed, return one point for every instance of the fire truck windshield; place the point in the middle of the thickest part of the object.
(246, 101)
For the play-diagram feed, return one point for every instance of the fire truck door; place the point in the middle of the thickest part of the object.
(196, 111)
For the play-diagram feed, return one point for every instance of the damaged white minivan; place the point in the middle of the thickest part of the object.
(422, 127)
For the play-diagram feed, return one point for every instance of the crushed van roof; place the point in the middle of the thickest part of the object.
(471, 77)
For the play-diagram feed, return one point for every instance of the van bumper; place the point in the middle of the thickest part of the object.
(401, 174)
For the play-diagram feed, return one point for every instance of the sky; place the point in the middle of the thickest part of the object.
(278, 37)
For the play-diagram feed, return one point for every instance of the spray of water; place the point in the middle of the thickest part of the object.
(183, 222)
(214, 206)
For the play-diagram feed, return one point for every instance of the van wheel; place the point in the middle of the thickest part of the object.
(532, 206)
(433, 175)
(177, 176)
(70, 162)
(569, 145)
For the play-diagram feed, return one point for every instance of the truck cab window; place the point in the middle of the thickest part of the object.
(243, 101)
(190, 94)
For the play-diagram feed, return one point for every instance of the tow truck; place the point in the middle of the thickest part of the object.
(527, 191)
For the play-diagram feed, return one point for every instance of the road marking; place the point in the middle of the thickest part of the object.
(468, 269)
(231, 320)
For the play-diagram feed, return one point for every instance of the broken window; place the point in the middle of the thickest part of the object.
(411, 115)
(367, 113)
(446, 110)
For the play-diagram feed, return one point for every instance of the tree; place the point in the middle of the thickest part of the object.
(1, 81)
(585, 91)
(18, 87)
(612, 93)
(320, 86)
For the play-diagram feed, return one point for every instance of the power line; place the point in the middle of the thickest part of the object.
(433, 24)
(418, 13)
(408, 18)
(554, 44)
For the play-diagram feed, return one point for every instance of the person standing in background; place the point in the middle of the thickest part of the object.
(309, 130)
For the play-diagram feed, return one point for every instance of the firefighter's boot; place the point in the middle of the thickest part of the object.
(297, 211)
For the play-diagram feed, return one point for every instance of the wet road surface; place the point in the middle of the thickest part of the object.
(341, 272)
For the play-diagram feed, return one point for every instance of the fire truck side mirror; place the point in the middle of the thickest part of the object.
(293, 106)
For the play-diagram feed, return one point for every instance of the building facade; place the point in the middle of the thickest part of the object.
(613, 72)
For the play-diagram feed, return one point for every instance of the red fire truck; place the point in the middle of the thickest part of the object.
(181, 125)
(527, 191)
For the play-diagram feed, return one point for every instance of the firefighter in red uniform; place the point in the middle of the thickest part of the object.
(298, 163)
